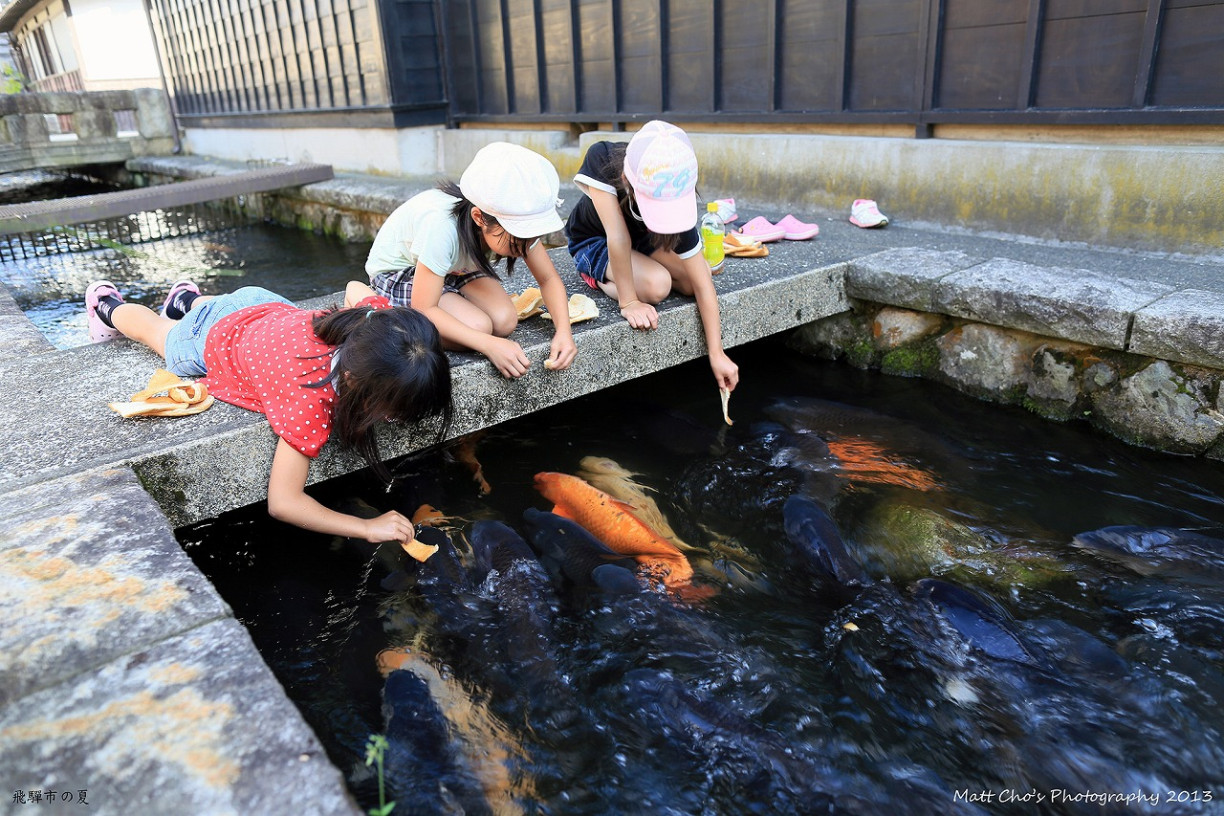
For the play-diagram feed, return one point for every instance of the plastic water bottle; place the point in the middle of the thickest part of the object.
(712, 232)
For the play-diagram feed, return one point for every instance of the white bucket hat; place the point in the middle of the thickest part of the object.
(516, 186)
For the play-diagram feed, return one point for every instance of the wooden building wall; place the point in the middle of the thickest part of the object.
(910, 61)
(913, 62)
(304, 63)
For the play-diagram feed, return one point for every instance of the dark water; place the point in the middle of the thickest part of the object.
(1034, 677)
(211, 248)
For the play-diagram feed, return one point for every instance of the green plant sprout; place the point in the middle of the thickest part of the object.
(11, 80)
(376, 749)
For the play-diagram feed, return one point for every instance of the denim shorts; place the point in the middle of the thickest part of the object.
(185, 342)
(397, 286)
(591, 258)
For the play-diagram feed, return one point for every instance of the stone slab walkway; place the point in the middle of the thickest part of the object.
(125, 680)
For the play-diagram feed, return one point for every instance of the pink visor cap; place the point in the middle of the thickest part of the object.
(516, 186)
(662, 168)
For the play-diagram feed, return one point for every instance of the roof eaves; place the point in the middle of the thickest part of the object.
(11, 14)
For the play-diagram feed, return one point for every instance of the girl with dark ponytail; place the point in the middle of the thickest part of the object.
(312, 373)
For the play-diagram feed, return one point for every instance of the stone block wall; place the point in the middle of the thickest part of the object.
(1146, 401)
(29, 137)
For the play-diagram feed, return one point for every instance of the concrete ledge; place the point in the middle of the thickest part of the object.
(372, 193)
(96, 546)
(18, 336)
(199, 467)
(196, 720)
(1073, 304)
(1148, 317)
(1187, 325)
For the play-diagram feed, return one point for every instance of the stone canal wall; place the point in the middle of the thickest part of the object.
(1142, 361)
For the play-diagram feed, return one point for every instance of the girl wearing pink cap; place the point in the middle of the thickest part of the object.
(634, 234)
(436, 253)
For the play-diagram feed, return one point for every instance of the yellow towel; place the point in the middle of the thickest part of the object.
(166, 395)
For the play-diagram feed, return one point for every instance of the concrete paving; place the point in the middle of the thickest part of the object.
(124, 675)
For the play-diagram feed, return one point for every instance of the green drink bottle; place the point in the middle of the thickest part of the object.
(712, 232)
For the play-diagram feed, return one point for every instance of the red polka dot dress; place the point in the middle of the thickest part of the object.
(260, 358)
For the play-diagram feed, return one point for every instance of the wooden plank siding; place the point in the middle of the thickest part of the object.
(303, 62)
(1192, 71)
(921, 62)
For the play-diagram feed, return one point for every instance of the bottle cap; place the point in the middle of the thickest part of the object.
(712, 206)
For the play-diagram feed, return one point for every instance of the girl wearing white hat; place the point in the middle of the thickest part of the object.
(436, 252)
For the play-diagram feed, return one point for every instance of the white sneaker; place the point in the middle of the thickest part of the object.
(864, 213)
(726, 209)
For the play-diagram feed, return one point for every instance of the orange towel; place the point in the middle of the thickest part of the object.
(166, 395)
(742, 246)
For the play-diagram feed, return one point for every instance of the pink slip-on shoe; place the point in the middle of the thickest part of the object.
(797, 230)
(760, 229)
(98, 331)
(864, 213)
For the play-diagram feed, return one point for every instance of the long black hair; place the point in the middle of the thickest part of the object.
(471, 239)
(391, 367)
(614, 171)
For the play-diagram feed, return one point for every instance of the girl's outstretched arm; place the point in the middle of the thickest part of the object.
(287, 501)
(697, 272)
(552, 288)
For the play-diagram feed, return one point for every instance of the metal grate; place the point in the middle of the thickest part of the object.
(135, 228)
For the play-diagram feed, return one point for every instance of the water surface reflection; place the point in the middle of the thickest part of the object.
(977, 654)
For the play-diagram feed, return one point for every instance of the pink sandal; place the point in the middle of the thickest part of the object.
(797, 230)
(760, 229)
(99, 332)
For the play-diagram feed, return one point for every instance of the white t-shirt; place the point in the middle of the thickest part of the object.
(422, 230)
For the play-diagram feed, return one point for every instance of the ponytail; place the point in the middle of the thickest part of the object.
(391, 366)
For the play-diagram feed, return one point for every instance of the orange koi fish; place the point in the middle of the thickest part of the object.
(863, 460)
(614, 523)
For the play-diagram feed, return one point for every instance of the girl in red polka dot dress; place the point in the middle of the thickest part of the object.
(314, 373)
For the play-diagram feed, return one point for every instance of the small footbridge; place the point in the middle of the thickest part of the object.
(198, 467)
(56, 131)
(38, 216)
(66, 129)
